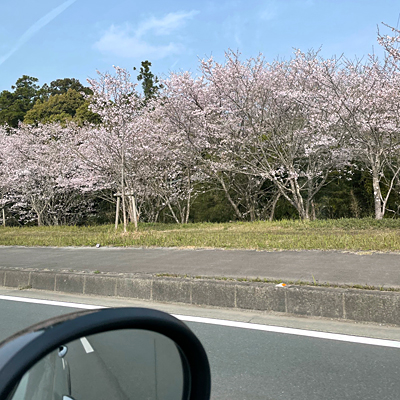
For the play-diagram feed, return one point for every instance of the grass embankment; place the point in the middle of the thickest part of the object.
(345, 234)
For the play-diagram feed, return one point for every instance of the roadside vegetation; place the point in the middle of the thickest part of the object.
(295, 154)
(365, 235)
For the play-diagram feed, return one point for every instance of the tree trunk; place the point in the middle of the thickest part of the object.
(236, 209)
(172, 212)
(188, 199)
(252, 213)
(117, 212)
(182, 213)
(123, 190)
(155, 219)
(313, 214)
(298, 201)
(378, 204)
(123, 209)
(135, 218)
(274, 203)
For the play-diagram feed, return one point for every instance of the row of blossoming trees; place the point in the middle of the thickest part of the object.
(257, 131)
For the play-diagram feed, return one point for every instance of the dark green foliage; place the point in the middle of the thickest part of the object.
(58, 108)
(336, 199)
(212, 206)
(63, 107)
(84, 114)
(150, 83)
(61, 101)
(14, 105)
(105, 213)
(284, 210)
(62, 86)
(348, 195)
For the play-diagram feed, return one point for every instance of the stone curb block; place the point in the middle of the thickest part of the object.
(42, 281)
(17, 279)
(337, 303)
(69, 283)
(135, 288)
(100, 286)
(2, 278)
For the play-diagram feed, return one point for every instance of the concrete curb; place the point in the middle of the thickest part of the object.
(337, 303)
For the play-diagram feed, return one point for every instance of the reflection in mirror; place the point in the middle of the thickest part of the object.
(123, 364)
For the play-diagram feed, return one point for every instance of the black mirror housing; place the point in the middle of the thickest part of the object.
(22, 351)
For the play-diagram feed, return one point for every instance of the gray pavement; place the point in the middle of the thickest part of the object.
(252, 364)
(334, 267)
(135, 273)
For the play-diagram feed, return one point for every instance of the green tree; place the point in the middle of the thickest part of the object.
(61, 86)
(14, 105)
(150, 83)
(84, 114)
(63, 107)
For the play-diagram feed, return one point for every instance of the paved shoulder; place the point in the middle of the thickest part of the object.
(378, 269)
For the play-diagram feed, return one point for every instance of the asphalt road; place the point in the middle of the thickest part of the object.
(250, 364)
(378, 269)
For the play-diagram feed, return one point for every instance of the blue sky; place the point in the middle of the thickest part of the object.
(51, 39)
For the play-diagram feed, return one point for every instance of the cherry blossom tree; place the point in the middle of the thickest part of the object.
(255, 119)
(391, 43)
(171, 172)
(364, 97)
(38, 176)
(5, 197)
(28, 179)
(192, 115)
(130, 151)
(258, 131)
(111, 148)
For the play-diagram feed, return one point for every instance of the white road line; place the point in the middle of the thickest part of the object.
(86, 345)
(292, 331)
(51, 302)
(234, 324)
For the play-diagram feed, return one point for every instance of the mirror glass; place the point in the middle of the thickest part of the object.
(122, 364)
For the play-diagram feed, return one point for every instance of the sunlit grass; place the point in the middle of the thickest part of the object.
(344, 234)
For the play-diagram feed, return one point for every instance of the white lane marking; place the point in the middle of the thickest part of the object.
(51, 302)
(234, 324)
(292, 331)
(86, 345)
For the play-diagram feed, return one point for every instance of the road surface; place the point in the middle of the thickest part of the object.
(255, 364)
(335, 267)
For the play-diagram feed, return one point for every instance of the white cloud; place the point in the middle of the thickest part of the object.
(120, 42)
(165, 25)
(39, 24)
(126, 41)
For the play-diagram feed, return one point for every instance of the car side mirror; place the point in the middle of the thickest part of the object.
(122, 353)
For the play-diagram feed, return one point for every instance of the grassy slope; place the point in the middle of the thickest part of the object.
(344, 234)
